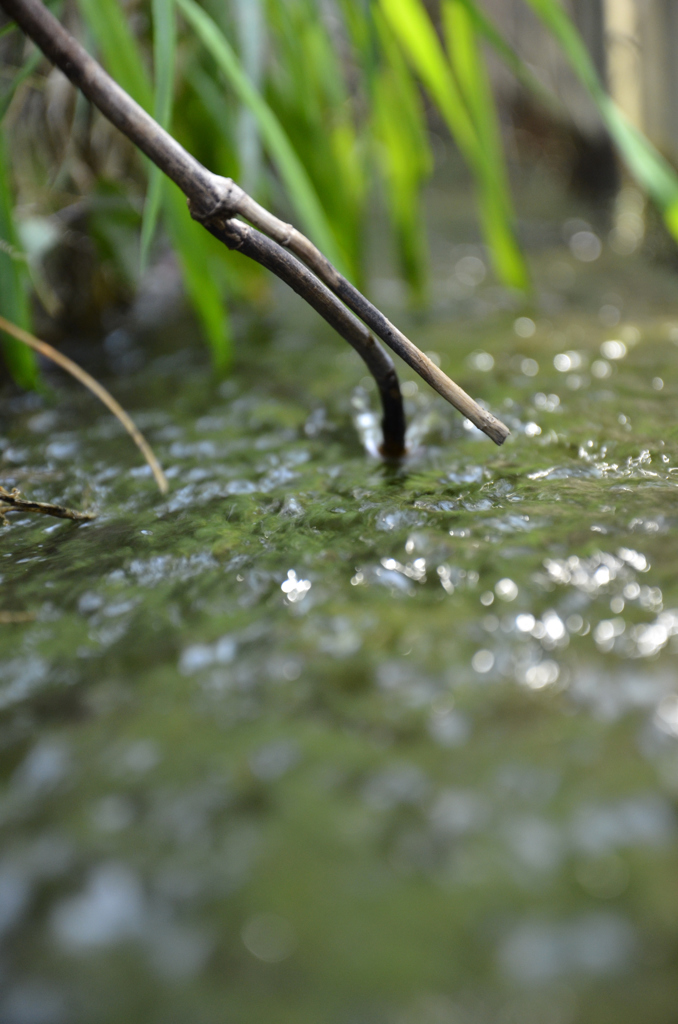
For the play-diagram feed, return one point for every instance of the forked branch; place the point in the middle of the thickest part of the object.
(215, 201)
(12, 501)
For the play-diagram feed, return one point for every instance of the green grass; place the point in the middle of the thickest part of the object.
(339, 111)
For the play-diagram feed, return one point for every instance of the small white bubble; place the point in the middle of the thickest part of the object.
(544, 674)
(482, 661)
(585, 246)
(470, 271)
(601, 369)
(553, 625)
(657, 383)
(532, 430)
(506, 589)
(525, 622)
(630, 334)
(524, 327)
(613, 349)
(481, 361)
(487, 598)
(293, 588)
(530, 367)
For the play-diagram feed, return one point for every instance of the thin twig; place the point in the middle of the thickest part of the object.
(236, 201)
(97, 389)
(12, 501)
(14, 618)
(216, 198)
(269, 254)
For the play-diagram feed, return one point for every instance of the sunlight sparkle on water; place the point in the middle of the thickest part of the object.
(293, 588)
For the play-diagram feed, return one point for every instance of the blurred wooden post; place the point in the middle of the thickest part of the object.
(642, 45)
(634, 45)
(624, 57)
(521, 26)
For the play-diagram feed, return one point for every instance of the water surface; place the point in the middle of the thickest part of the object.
(318, 739)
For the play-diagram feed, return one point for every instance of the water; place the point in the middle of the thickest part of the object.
(314, 738)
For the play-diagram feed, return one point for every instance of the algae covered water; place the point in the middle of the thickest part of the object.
(315, 738)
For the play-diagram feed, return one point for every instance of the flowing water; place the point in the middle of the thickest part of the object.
(319, 739)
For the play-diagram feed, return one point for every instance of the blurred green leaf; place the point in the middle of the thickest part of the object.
(307, 90)
(496, 207)
(164, 49)
(191, 243)
(417, 36)
(292, 171)
(107, 23)
(251, 25)
(461, 93)
(400, 129)
(21, 362)
(189, 239)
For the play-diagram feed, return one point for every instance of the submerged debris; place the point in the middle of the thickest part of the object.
(16, 618)
(11, 501)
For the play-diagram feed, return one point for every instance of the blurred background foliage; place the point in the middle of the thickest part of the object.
(322, 109)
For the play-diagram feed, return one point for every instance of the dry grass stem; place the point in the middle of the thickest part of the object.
(16, 618)
(11, 501)
(97, 389)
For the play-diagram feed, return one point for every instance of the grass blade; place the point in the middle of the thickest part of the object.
(27, 339)
(495, 198)
(164, 50)
(191, 243)
(21, 362)
(417, 36)
(292, 172)
(470, 117)
(250, 22)
(405, 155)
(24, 72)
(108, 25)
(192, 246)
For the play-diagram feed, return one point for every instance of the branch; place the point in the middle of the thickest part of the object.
(11, 500)
(237, 201)
(215, 200)
(269, 254)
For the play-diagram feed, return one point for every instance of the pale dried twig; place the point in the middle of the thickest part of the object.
(15, 618)
(12, 501)
(97, 389)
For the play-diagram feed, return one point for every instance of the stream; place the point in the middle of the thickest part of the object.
(314, 738)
